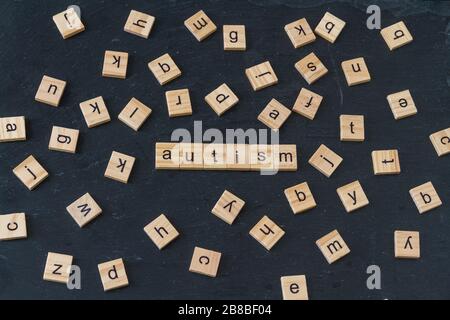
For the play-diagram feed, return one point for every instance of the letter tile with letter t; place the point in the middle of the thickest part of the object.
(352, 196)
(300, 198)
(385, 162)
(161, 231)
(95, 112)
(164, 69)
(311, 68)
(441, 142)
(113, 274)
(13, 226)
(50, 91)
(68, 23)
(119, 167)
(396, 35)
(205, 262)
(30, 172)
(139, 24)
(425, 197)
(115, 64)
(200, 25)
(57, 267)
(261, 76)
(294, 287)
(84, 209)
(63, 139)
(407, 244)
(274, 115)
(221, 99)
(325, 160)
(300, 33)
(351, 127)
(12, 129)
(234, 38)
(267, 232)
(333, 246)
(228, 207)
(330, 27)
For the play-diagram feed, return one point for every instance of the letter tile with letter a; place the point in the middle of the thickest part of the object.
(300, 33)
(330, 27)
(274, 115)
(50, 91)
(119, 167)
(161, 231)
(63, 139)
(402, 104)
(164, 69)
(113, 274)
(333, 246)
(68, 23)
(352, 196)
(134, 114)
(221, 99)
(167, 155)
(325, 160)
(139, 24)
(30, 172)
(95, 112)
(115, 64)
(396, 35)
(178, 103)
(228, 207)
(261, 76)
(267, 232)
(84, 210)
(294, 287)
(200, 25)
(300, 198)
(385, 162)
(307, 103)
(57, 267)
(425, 197)
(441, 142)
(355, 71)
(13, 226)
(205, 262)
(234, 38)
(12, 129)
(407, 244)
(311, 68)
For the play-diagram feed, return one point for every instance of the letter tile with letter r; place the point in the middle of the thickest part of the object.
(352, 196)
(139, 24)
(13, 226)
(50, 91)
(115, 64)
(425, 197)
(164, 69)
(228, 207)
(119, 167)
(30, 172)
(95, 112)
(63, 139)
(161, 231)
(84, 210)
(12, 129)
(294, 287)
(330, 27)
(396, 35)
(200, 25)
(300, 33)
(311, 68)
(300, 198)
(441, 142)
(407, 244)
(267, 232)
(57, 267)
(205, 262)
(178, 103)
(333, 246)
(113, 274)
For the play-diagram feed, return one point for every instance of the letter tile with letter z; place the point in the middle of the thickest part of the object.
(205, 262)
(425, 197)
(119, 167)
(113, 274)
(139, 24)
(333, 246)
(57, 267)
(267, 232)
(161, 231)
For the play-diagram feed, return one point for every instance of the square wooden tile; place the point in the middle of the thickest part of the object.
(191, 156)
(113, 274)
(57, 267)
(311, 68)
(333, 246)
(352, 127)
(238, 157)
(294, 287)
(234, 38)
(300, 198)
(274, 115)
(214, 156)
(167, 155)
(139, 24)
(285, 157)
(325, 160)
(205, 262)
(228, 207)
(178, 103)
(134, 114)
(50, 91)
(68, 23)
(441, 142)
(221, 99)
(261, 157)
(164, 69)
(330, 27)
(267, 232)
(261, 76)
(119, 167)
(352, 196)
(425, 197)
(13, 226)
(307, 103)
(300, 33)
(12, 129)
(95, 112)
(63, 139)
(84, 210)
(355, 71)
(115, 64)
(161, 231)
(402, 104)
(385, 162)
(30, 172)
(407, 244)
(200, 25)
(396, 35)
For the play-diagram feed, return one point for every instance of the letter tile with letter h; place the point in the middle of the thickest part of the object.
(139, 24)
(333, 246)
(161, 231)
(267, 232)
(113, 274)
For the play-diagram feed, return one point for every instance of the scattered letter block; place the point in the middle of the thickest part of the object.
(200, 25)
(84, 209)
(95, 112)
(407, 244)
(115, 64)
(330, 27)
(425, 197)
(352, 127)
(13, 226)
(300, 198)
(234, 38)
(261, 76)
(63, 139)
(396, 35)
(164, 69)
(294, 288)
(352, 196)
(385, 162)
(12, 129)
(333, 246)
(355, 71)
(228, 207)
(221, 99)
(191, 156)
(134, 114)
(167, 155)
(441, 141)
(307, 103)
(161, 231)
(113, 274)
(267, 232)
(205, 262)
(68, 23)
(325, 160)
(274, 115)
(57, 267)
(50, 91)
(139, 24)
(178, 103)
(311, 68)
(300, 33)
(30, 172)
(119, 167)
(402, 104)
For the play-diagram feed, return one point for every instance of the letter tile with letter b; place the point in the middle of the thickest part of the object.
(95, 112)
(307, 103)
(164, 69)
(330, 27)
(228, 207)
(221, 99)
(351, 127)
(402, 104)
(352, 196)
(234, 38)
(325, 160)
(294, 287)
(119, 167)
(441, 142)
(84, 210)
(178, 103)
(63, 139)
(12, 129)
(134, 114)
(50, 91)
(396, 35)
(30, 172)
(57, 267)
(200, 25)
(300, 198)
(115, 64)
(425, 197)
(68, 23)
(205, 262)
(311, 68)
(267, 232)
(300, 33)
(333, 246)
(355, 71)
(161, 231)
(167, 155)
(139, 24)
(407, 244)
(385, 162)
(13, 226)
(113, 274)
(261, 76)
(274, 115)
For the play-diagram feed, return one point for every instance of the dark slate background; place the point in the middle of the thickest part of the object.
(30, 46)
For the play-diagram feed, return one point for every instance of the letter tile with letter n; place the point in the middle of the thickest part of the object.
(63, 139)
(425, 197)
(261, 76)
(50, 91)
(134, 114)
(294, 287)
(402, 104)
(396, 35)
(119, 167)
(161, 231)
(200, 25)
(352, 196)
(30, 172)
(12, 129)
(351, 127)
(330, 27)
(300, 198)
(221, 99)
(191, 156)
(167, 155)
(68, 23)
(311, 68)
(164, 69)
(407, 244)
(307, 103)
(95, 112)
(441, 142)
(300, 33)
(385, 162)
(178, 103)
(267, 232)
(84, 210)
(325, 160)
(205, 262)
(285, 157)
(115, 64)
(139, 24)
(13, 226)
(234, 38)
(333, 246)
(355, 71)
(113, 274)
(57, 267)
(228, 207)
(274, 115)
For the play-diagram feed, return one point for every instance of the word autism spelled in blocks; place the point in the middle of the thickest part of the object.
(311, 68)
(267, 232)
(352, 196)
(396, 35)
(119, 167)
(300, 33)
(325, 160)
(50, 91)
(352, 127)
(84, 209)
(134, 114)
(164, 69)
(178, 103)
(402, 104)
(68, 23)
(355, 71)
(161, 231)
(12, 129)
(425, 197)
(95, 112)
(205, 262)
(200, 25)
(57, 267)
(30, 172)
(113, 274)
(139, 24)
(385, 162)
(115, 64)
(274, 115)
(441, 141)
(13, 226)
(63, 139)
(221, 99)
(307, 103)
(294, 287)
(300, 198)
(407, 244)
(234, 38)
(261, 76)
(333, 246)
(228, 207)
(330, 27)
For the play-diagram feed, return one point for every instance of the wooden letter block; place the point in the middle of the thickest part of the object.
(13, 226)
(63, 139)
(325, 160)
(261, 157)
(68, 23)
(205, 262)
(12, 129)
(352, 127)
(221, 99)
(267, 232)
(30, 172)
(352, 196)
(95, 112)
(134, 114)
(385, 162)
(238, 157)
(119, 167)
(167, 155)
(261, 76)
(355, 71)
(274, 115)
(139, 24)
(84, 209)
(200, 25)
(178, 103)
(425, 197)
(441, 141)
(285, 157)
(396, 35)
(214, 156)
(333, 246)
(191, 156)
(164, 69)
(311, 68)
(234, 38)
(113, 274)
(115, 64)
(161, 231)
(228, 207)
(300, 198)
(57, 267)
(50, 91)
(330, 27)
(407, 244)
(294, 288)
(402, 104)
(300, 33)
(307, 103)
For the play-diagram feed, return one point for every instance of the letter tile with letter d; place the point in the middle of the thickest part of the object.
(57, 267)
(333, 246)
(113, 274)
(139, 24)
(267, 232)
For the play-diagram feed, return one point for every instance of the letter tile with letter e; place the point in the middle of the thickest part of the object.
(167, 155)
(161, 231)
(12, 129)
(300, 33)
(402, 104)
(200, 25)
(84, 210)
(134, 114)
(205, 262)
(30, 172)
(119, 167)
(221, 99)
(228, 207)
(407, 244)
(300, 198)
(68, 23)
(63, 139)
(267, 232)
(333, 246)
(113, 274)
(50, 91)
(325, 160)
(441, 142)
(294, 287)
(425, 197)
(95, 112)
(234, 38)
(139, 24)
(351, 127)
(261, 76)
(274, 115)
(178, 103)
(352, 196)
(385, 162)
(396, 35)
(330, 27)
(164, 69)
(311, 68)
(307, 103)
(13, 226)
(57, 267)
(355, 71)
(115, 64)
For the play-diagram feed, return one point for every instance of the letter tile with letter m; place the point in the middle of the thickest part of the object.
(161, 231)
(200, 25)
(113, 274)
(333, 246)
(84, 209)
(267, 232)
(119, 167)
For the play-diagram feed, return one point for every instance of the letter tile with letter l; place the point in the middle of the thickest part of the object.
(402, 104)
(119, 167)
(115, 64)
(267, 232)
(441, 142)
(57, 267)
(330, 27)
(274, 115)
(425, 197)
(228, 207)
(50, 91)
(139, 24)
(95, 112)
(113, 274)
(13, 226)
(396, 35)
(30, 172)
(355, 71)
(205, 262)
(407, 244)
(294, 287)
(325, 160)
(261, 76)
(311, 68)
(352, 196)
(12, 129)
(134, 114)
(221, 99)
(68, 23)
(300, 33)
(333, 246)
(234, 38)
(164, 69)
(385, 162)
(200, 25)
(300, 198)
(161, 231)
(84, 210)
(63, 139)
(307, 103)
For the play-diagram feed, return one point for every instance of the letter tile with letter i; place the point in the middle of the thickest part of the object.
(30, 172)
(113, 274)
(425, 197)
(57, 267)
(267, 232)
(333, 246)
(161, 231)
